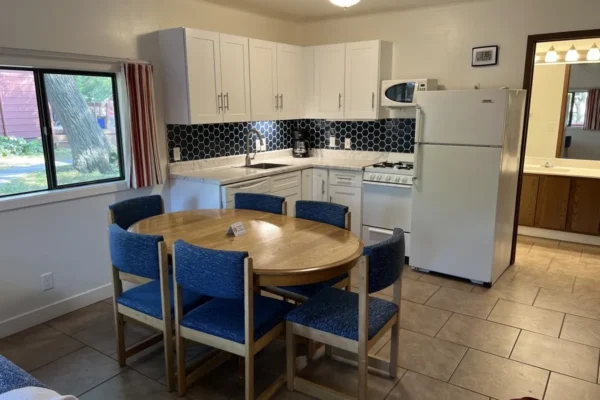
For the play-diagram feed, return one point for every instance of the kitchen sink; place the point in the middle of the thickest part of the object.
(264, 166)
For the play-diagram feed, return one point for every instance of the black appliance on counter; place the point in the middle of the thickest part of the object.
(300, 148)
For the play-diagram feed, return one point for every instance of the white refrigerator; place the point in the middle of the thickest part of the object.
(467, 149)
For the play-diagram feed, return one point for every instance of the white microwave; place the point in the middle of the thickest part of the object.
(404, 93)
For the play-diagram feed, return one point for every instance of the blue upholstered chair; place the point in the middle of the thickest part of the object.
(237, 319)
(353, 321)
(327, 213)
(261, 202)
(128, 212)
(13, 377)
(142, 259)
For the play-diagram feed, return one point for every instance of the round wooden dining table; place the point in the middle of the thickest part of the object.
(284, 250)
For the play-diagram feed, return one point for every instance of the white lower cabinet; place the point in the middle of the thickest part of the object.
(291, 195)
(320, 184)
(351, 198)
(307, 184)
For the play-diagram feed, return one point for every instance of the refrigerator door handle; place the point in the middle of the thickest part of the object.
(418, 139)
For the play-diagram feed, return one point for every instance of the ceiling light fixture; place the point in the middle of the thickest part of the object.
(344, 3)
(572, 55)
(594, 53)
(551, 55)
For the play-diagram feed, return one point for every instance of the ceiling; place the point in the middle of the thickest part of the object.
(306, 10)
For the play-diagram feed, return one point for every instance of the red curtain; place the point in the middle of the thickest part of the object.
(592, 113)
(145, 162)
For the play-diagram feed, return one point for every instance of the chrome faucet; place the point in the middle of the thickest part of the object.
(260, 137)
(548, 165)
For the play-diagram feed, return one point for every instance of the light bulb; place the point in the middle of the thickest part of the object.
(344, 3)
(594, 53)
(551, 55)
(572, 55)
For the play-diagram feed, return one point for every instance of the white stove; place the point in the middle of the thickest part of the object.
(399, 173)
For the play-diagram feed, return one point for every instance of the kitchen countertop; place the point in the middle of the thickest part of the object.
(226, 175)
(572, 172)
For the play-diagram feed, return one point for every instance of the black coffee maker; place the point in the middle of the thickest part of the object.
(300, 148)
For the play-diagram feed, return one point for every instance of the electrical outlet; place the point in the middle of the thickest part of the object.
(331, 141)
(348, 144)
(177, 153)
(47, 281)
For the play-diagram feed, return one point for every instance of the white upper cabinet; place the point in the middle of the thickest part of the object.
(263, 80)
(235, 78)
(330, 62)
(289, 81)
(206, 76)
(362, 80)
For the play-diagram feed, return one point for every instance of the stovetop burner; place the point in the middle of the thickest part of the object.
(398, 165)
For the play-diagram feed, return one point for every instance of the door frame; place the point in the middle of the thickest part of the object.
(532, 42)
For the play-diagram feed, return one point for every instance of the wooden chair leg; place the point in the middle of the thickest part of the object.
(249, 373)
(290, 344)
(169, 365)
(393, 366)
(181, 371)
(120, 328)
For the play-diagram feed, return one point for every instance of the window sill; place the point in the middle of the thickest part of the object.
(55, 196)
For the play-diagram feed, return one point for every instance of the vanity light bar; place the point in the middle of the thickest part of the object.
(573, 55)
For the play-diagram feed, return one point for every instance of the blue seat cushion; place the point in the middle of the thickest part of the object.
(335, 311)
(312, 289)
(224, 318)
(146, 299)
(13, 377)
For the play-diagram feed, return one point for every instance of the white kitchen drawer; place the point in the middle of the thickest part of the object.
(255, 186)
(372, 235)
(286, 181)
(345, 178)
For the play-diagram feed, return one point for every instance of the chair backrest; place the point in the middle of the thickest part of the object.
(328, 213)
(134, 253)
(128, 212)
(215, 273)
(259, 202)
(386, 260)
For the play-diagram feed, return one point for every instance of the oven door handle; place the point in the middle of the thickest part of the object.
(394, 185)
(382, 231)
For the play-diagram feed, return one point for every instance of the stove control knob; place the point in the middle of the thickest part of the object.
(397, 179)
(405, 179)
(378, 177)
(388, 178)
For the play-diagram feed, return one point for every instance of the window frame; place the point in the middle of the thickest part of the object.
(47, 134)
(570, 109)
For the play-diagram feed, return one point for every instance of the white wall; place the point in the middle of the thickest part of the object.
(437, 42)
(546, 107)
(69, 238)
(585, 145)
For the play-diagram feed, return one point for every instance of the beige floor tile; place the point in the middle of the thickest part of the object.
(564, 267)
(417, 291)
(83, 318)
(558, 252)
(448, 282)
(526, 239)
(581, 330)
(544, 279)
(415, 386)
(129, 385)
(572, 359)
(102, 336)
(587, 287)
(284, 394)
(508, 275)
(543, 242)
(524, 247)
(473, 304)
(37, 346)
(561, 387)
(582, 306)
(591, 271)
(480, 334)
(499, 377)
(531, 260)
(517, 293)
(590, 257)
(409, 273)
(422, 319)
(426, 355)
(527, 317)
(343, 377)
(78, 372)
(571, 246)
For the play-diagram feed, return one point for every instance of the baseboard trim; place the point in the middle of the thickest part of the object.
(46, 313)
(559, 235)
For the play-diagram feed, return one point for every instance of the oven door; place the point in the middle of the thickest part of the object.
(398, 94)
(372, 235)
(387, 206)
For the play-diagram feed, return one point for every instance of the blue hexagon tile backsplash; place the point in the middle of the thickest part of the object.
(199, 142)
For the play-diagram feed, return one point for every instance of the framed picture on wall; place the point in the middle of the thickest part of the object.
(485, 56)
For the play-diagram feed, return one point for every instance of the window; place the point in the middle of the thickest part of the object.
(576, 107)
(58, 129)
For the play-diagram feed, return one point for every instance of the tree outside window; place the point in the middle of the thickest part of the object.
(576, 108)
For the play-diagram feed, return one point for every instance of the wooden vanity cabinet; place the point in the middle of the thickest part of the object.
(560, 203)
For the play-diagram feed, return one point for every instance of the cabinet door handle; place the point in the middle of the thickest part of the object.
(340, 101)
(331, 199)
(373, 100)
(277, 102)
(219, 102)
(227, 101)
(322, 188)
(281, 101)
